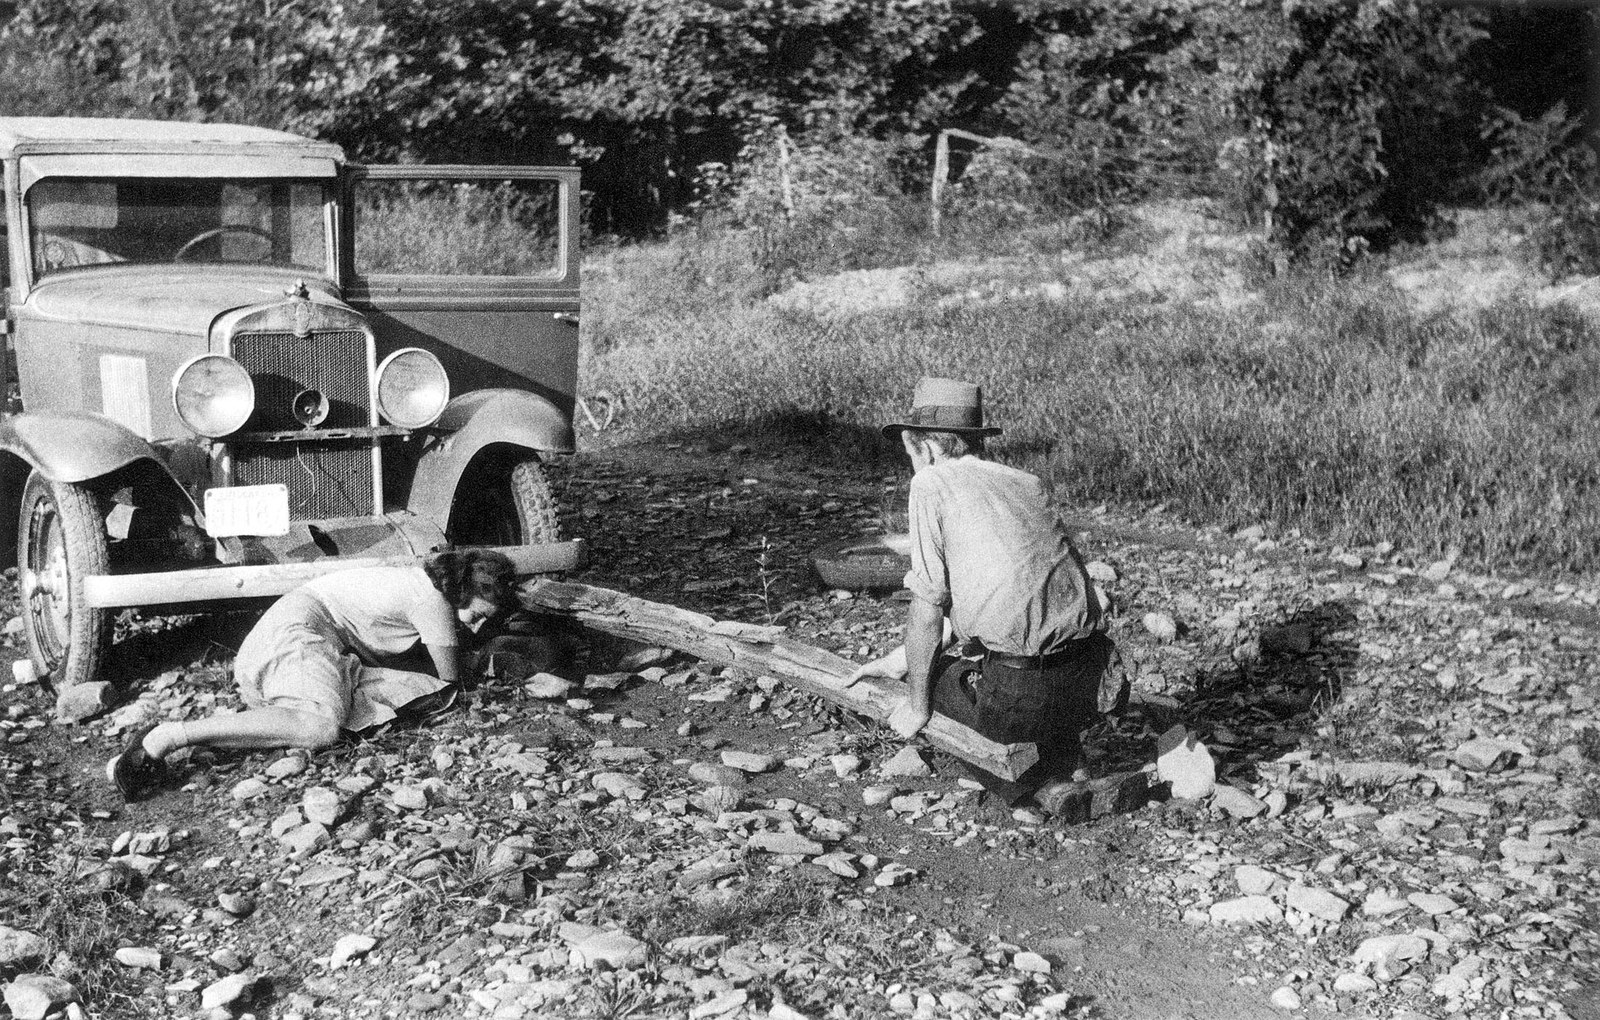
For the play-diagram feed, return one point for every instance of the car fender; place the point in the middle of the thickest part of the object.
(472, 423)
(64, 446)
(73, 446)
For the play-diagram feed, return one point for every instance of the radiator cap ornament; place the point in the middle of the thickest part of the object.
(302, 310)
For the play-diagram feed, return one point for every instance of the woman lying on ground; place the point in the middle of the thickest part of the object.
(325, 658)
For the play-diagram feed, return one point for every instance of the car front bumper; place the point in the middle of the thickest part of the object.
(207, 584)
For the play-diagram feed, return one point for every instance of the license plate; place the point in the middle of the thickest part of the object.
(247, 510)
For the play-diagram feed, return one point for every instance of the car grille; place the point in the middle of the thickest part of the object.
(331, 478)
(325, 478)
(284, 365)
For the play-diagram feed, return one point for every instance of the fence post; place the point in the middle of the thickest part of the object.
(941, 170)
(785, 185)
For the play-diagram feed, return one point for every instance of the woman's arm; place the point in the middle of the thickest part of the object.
(446, 662)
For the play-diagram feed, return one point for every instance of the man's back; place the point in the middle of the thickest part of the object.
(1019, 585)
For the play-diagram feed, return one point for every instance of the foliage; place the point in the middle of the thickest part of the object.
(642, 93)
(1123, 100)
(1547, 161)
(1340, 123)
(1361, 107)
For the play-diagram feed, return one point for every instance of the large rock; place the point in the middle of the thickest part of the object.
(249, 788)
(1541, 850)
(321, 805)
(1246, 910)
(1389, 956)
(1184, 762)
(615, 950)
(784, 843)
(139, 957)
(34, 996)
(1486, 754)
(620, 785)
(717, 799)
(18, 947)
(226, 991)
(1235, 802)
(84, 701)
(1285, 999)
(1432, 903)
(350, 947)
(286, 767)
(907, 763)
(1101, 571)
(547, 686)
(1382, 903)
(1255, 881)
(1354, 984)
(305, 839)
(749, 761)
(1317, 903)
(1161, 627)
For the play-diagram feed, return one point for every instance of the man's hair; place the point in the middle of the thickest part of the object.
(954, 444)
(473, 574)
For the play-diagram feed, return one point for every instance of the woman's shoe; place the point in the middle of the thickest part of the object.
(134, 772)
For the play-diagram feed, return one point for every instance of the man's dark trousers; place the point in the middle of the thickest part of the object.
(1010, 705)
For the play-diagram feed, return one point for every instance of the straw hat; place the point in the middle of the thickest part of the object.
(944, 405)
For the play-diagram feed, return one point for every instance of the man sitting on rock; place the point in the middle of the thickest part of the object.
(990, 558)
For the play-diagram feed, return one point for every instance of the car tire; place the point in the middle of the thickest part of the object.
(61, 539)
(857, 564)
(503, 502)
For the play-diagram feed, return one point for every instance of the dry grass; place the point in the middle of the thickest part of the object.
(1326, 406)
(80, 921)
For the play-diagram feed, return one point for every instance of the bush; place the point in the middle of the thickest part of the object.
(1547, 162)
(1362, 113)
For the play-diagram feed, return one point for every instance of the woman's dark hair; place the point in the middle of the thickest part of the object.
(473, 573)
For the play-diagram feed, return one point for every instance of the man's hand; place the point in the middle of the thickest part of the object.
(890, 667)
(908, 718)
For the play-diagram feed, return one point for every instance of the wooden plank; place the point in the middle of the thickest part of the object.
(765, 651)
(206, 584)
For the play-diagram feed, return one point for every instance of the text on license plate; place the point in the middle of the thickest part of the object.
(247, 510)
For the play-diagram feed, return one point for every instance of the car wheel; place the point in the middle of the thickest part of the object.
(504, 502)
(61, 539)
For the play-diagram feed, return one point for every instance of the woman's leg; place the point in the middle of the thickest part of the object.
(270, 726)
(298, 697)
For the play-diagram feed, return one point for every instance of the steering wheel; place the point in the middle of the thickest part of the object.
(226, 228)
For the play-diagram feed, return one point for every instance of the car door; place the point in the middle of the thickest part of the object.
(478, 265)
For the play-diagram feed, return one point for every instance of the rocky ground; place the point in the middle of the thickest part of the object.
(1403, 823)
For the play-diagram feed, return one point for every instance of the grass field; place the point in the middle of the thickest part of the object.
(1326, 406)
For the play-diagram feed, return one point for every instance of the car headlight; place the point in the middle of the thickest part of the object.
(412, 388)
(213, 395)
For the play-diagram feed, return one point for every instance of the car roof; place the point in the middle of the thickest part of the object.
(110, 134)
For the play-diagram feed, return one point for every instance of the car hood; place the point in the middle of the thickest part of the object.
(182, 301)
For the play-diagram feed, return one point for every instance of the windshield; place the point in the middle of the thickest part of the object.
(76, 222)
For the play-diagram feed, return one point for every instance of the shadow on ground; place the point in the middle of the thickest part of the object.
(1267, 698)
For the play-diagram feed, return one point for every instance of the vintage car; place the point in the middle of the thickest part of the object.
(236, 360)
